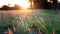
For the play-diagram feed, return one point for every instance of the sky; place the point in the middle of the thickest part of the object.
(6, 2)
(12, 2)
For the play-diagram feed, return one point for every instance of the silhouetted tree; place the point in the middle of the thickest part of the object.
(55, 2)
(37, 3)
(5, 7)
(16, 6)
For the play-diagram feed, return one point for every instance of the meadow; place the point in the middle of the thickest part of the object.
(30, 21)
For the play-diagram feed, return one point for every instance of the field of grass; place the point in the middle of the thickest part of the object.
(47, 21)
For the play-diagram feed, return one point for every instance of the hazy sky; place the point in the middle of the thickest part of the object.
(12, 2)
(6, 2)
(2, 2)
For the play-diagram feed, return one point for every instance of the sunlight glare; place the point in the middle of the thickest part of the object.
(59, 0)
(23, 3)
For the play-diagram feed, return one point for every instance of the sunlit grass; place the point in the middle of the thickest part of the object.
(47, 22)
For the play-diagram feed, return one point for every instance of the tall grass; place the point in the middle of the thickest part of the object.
(47, 21)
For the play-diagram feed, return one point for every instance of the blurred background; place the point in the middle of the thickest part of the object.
(29, 16)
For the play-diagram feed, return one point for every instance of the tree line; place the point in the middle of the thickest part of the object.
(38, 4)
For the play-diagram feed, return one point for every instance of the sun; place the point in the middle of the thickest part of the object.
(24, 4)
